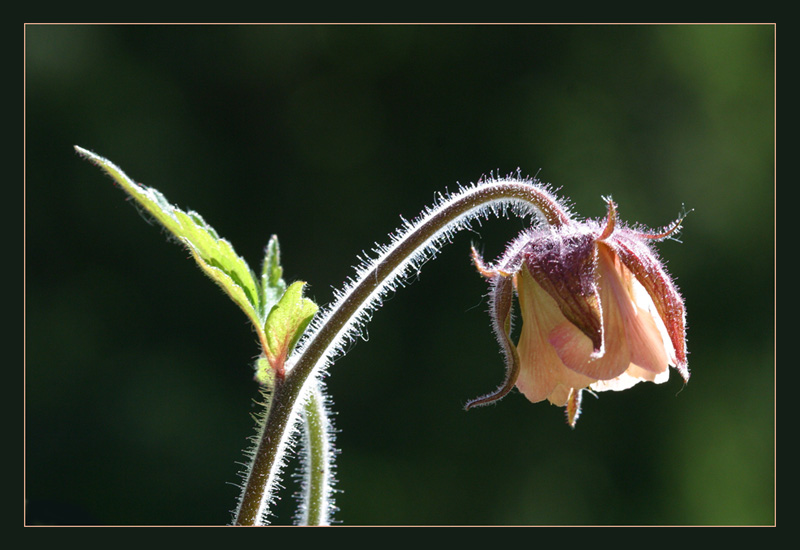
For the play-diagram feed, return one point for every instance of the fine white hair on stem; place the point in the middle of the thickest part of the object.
(316, 506)
(286, 448)
(411, 246)
(303, 414)
(328, 336)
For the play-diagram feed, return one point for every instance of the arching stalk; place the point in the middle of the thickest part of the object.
(329, 333)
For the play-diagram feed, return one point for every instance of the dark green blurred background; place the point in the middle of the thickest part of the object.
(138, 369)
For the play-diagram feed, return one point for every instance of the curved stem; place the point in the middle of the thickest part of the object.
(326, 338)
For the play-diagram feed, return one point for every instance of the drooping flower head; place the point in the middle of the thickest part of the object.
(598, 309)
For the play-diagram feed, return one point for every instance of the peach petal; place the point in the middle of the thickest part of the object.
(643, 300)
(560, 395)
(647, 348)
(564, 266)
(541, 370)
(645, 265)
(630, 378)
(639, 316)
(576, 352)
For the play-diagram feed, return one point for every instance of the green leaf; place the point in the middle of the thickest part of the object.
(286, 322)
(214, 255)
(272, 284)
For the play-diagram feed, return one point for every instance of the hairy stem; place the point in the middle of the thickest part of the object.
(315, 507)
(262, 478)
(414, 244)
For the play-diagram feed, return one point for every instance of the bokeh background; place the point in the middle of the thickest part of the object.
(138, 381)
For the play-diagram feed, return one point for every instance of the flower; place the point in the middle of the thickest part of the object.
(598, 309)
